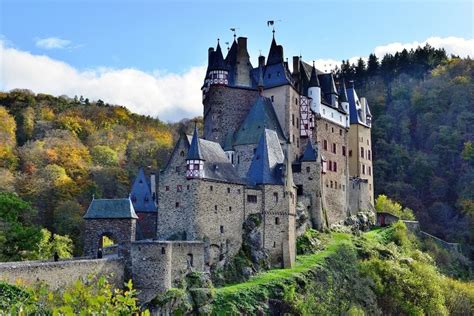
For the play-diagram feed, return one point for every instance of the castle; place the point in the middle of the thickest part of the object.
(275, 142)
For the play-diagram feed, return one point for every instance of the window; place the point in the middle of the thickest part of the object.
(252, 198)
(325, 145)
(275, 197)
(277, 221)
(187, 187)
(215, 207)
(298, 143)
(331, 184)
(163, 250)
(293, 119)
(177, 204)
(308, 169)
(343, 187)
(334, 148)
(367, 142)
(274, 244)
(167, 188)
(332, 129)
(296, 100)
(340, 132)
(177, 169)
(362, 152)
(181, 153)
(327, 183)
(330, 165)
(344, 150)
(272, 98)
(230, 208)
(211, 188)
(222, 229)
(327, 126)
(196, 166)
(190, 260)
(179, 188)
(335, 184)
(370, 171)
(363, 169)
(228, 190)
(350, 152)
(334, 166)
(369, 155)
(238, 191)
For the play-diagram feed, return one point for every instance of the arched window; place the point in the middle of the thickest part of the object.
(190, 260)
(277, 221)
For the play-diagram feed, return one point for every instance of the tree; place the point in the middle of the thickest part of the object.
(18, 236)
(49, 245)
(104, 156)
(384, 204)
(372, 65)
(8, 158)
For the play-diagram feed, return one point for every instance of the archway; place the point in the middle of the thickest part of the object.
(107, 245)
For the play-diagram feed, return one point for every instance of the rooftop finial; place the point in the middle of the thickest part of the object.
(233, 29)
(93, 196)
(313, 63)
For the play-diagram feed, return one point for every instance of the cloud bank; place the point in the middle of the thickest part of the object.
(169, 96)
(52, 42)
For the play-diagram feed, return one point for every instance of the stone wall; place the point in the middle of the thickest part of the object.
(224, 110)
(146, 225)
(243, 158)
(120, 230)
(334, 183)
(62, 273)
(359, 197)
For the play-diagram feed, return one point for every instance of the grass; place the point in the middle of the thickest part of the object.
(303, 263)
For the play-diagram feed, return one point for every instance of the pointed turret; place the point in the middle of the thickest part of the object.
(275, 55)
(218, 59)
(314, 81)
(195, 159)
(310, 153)
(342, 90)
(218, 70)
(314, 91)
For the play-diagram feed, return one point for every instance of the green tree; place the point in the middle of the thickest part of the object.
(52, 244)
(104, 156)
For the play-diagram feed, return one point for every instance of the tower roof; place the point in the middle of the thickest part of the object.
(142, 198)
(231, 58)
(310, 154)
(266, 160)
(275, 55)
(194, 152)
(342, 90)
(314, 81)
(261, 116)
(110, 208)
(218, 59)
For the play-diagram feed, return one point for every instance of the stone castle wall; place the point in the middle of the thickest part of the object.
(243, 158)
(119, 230)
(62, 273)
(224, 110)
(334, 183)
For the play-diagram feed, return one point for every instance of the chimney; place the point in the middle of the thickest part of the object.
(242, 42)
(153, 186)
(261, 61)
(296, 65)
(209, 54)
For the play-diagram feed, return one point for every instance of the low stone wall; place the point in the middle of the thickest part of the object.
(62, 273)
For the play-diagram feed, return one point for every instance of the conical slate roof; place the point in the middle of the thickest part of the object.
(261, 116)
(342, 91)
(314, 81)
(310, 154)
(275, 55)
(194, 152)
(218, 59)
(141, 194)
(268, 157)
(231, 58)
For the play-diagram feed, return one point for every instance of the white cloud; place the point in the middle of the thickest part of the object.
(169, 96)
(53, 42)
(453, 45)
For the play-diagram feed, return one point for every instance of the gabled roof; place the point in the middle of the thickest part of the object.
(110, 208)
(261, 116)
(267, 161)
(310, 154)
(194, 152)
(141, 195)
(216, 165)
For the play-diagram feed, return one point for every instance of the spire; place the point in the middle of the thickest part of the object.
(309, 153)
(342, 90)
(314, 81)
(218, 59)
(194, 152)
(275, 55)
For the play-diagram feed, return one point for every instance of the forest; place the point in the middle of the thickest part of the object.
(56, 153)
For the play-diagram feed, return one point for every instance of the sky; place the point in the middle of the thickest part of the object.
(151, 55)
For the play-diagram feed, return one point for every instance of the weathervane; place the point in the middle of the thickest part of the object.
(233, 29)
(272, 24)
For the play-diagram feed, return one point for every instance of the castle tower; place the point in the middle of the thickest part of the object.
(143, 196)
(314, 91)
(194, 159)
(218, 71)
(360, 140)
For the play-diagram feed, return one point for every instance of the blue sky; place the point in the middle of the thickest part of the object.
(171, 37)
